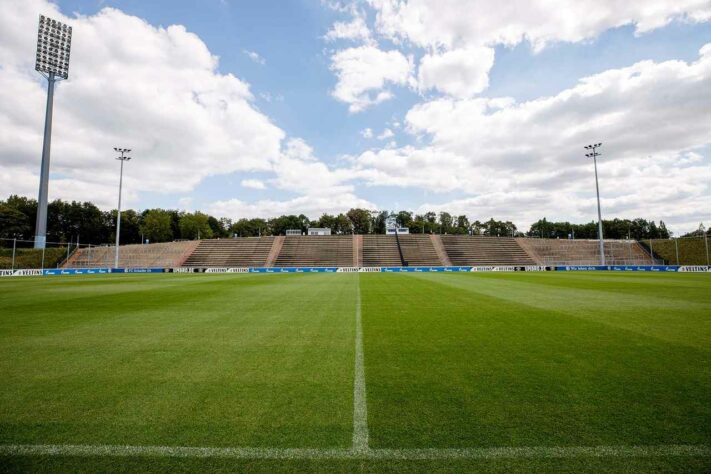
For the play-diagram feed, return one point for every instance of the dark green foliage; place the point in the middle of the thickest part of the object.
(636, 229)
(68, 221)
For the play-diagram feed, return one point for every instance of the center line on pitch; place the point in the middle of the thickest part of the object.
(360, 409)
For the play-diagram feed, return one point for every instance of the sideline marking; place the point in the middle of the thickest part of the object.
(360, 407)
(386, 454)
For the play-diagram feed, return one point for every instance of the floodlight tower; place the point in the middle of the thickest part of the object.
(122, 159)
(54, 41)
(594, 156)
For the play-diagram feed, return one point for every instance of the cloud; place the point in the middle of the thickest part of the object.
(320, 188)
(197, 124)
(387, 133)
(255, 57)
(185, 203)
(312, 206)
(364, 72)
(451, 24)
(523, 160)
(268, 97)
(253, 184)
(457, 37)
(354, 30)
(460, 73)
(366, 133)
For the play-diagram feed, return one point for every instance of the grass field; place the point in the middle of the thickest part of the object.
(350, 373)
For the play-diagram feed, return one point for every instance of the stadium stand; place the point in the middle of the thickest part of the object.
(363, 250)
(168, 254)
(586, 252)
(238, 252)
(380, 251)
(418, 250)
(478, 250)
(316, 251)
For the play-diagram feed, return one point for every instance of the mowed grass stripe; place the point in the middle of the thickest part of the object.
(598, 297)
(541, 452)
(452, 367)
(263, 361)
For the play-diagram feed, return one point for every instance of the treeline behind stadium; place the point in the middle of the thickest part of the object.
(83, 221)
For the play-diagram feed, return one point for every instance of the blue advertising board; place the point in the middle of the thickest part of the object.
(137, 270)
(293, 270)
(619, 268)
(75, 271)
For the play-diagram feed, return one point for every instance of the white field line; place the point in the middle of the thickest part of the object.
(360, 407)
(542, 452)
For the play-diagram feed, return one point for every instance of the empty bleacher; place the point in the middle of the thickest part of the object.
(237, 252)
(365, 250)
(418, 250)
(316, 251)
(380, 251)
(478, 250)
(586, 252)
(163, 255)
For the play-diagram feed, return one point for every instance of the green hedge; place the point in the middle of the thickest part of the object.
(692, 251)
(32, 258)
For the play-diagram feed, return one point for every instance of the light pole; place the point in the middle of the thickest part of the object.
(594, 156)
(706, 242)
(54, 41)
(121, 158)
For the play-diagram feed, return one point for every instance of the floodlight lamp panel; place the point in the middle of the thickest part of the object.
(53, 47)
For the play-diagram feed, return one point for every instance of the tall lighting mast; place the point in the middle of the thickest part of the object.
(54, 41)
(123, 158)
(594, 154)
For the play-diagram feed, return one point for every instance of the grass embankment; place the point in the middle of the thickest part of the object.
(32, 258)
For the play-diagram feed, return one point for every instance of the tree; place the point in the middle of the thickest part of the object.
(462, 225)
(13, 223)
(404, 219)
(343, 224)
(327, 221)
(249, 228)
(360, 220)
(217, 227)
(445, 222)
(496, 228)
(379, 221)
(195, 225)
(156, 226)
(279, 225)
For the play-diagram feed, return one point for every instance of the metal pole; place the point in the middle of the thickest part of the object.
(651, 250)
(676, 248)
(41, 223)
(706, 243)
(118, 216)
(599, 213)
(14, 246)
(42, 258)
